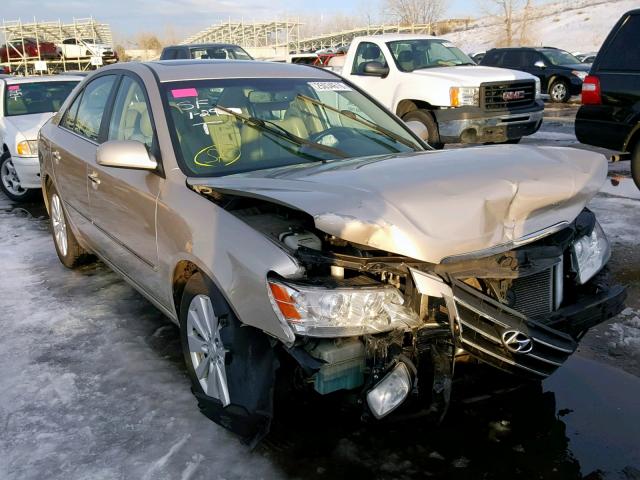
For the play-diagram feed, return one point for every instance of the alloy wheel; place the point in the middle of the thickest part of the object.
(59, 224)
(10, 179)
(206, 350)
(559, 91)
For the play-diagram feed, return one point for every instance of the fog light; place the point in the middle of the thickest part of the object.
(390, 392)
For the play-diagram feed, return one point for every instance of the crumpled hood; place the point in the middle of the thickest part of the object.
(473, 75)
(433, 205)
(29, 125)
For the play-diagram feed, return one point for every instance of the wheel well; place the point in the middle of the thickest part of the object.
(182, 273)
(406, 106)
(5, 149)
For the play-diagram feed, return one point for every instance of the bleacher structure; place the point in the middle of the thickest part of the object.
(15, 31)
(250, 34)
(286, 34)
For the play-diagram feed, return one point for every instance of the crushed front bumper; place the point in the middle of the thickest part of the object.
(28, 170)
(476, 125)
(510, 341)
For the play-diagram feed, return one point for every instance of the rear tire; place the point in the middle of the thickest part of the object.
(426, 118)
(69, 251)
(10, 183)
(635, 164)
(559, 91)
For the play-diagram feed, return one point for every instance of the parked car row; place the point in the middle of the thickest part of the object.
(68, 49)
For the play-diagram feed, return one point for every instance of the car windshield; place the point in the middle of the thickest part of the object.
(221, 52)
(411, 55)
(228, 126)
(36, 97)
(560, 57)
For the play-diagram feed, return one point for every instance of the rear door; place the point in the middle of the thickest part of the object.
(123, 201)
(618, 69)
(74, 143)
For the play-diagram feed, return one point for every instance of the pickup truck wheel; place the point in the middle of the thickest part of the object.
(559, 91)
(426, 118)
(70, 253)
(635, 164)
(231, 366)
(10, 183)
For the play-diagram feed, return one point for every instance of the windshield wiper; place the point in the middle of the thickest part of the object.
(276, 129)
(360, 119)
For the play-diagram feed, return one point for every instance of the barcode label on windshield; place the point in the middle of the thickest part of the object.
(330, 86)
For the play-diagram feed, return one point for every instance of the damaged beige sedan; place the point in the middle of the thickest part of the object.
(305, 239)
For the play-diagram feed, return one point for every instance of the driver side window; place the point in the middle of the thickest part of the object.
(365, 53)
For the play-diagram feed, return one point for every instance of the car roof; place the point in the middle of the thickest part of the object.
(201, 45)
(393, 37)
(178, 70)
(42, 78)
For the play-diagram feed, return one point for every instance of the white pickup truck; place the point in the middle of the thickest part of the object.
(428, 80)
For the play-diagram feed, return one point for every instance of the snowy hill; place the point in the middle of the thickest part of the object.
(574, 26)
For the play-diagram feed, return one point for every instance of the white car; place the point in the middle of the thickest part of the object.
(74, 48)
(26, 103)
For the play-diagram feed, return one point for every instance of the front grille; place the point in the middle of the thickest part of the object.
(508, 95)
(482, 321)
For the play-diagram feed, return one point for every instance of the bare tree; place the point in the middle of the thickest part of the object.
(515, 15)
(148, 41)
(407, 12)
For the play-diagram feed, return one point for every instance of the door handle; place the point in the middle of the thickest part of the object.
(93, 176)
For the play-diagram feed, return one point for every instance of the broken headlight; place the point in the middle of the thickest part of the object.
(339, 312)
(590, 253)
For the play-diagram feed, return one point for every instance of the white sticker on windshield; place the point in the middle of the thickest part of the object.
(448, 45)
(330, 87)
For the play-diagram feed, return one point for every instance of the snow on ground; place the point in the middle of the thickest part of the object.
(624, 336)
(576, 29)
(65, 357)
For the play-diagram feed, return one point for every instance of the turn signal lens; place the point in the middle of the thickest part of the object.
(284, 302)
(24, 149)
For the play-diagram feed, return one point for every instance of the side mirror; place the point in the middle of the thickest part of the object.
(539, 64)
(125, 154)
(375, 69)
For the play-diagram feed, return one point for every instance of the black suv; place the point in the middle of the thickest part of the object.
(610, 113)
(561, 74)
(205, 51)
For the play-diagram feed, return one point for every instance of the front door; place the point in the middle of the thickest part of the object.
(378, 87)
(123, 201)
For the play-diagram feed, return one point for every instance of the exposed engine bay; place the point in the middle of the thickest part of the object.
(521, 310)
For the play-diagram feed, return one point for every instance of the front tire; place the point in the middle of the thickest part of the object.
(425, 117)
(559, 91)
(10, 183)
(635, 164)
(69, 251)
(231, 366)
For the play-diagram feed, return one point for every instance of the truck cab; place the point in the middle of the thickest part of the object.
(429, 81)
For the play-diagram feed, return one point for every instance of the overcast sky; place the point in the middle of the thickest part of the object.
(184, 17)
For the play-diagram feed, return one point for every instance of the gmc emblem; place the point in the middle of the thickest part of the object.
(516, 95)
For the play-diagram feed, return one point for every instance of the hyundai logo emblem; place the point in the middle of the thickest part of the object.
(516, 341)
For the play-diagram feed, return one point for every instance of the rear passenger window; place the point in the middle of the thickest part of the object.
(92, 105)
(623, 52)
(131, 119)
(512, 58)
(492, 58)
